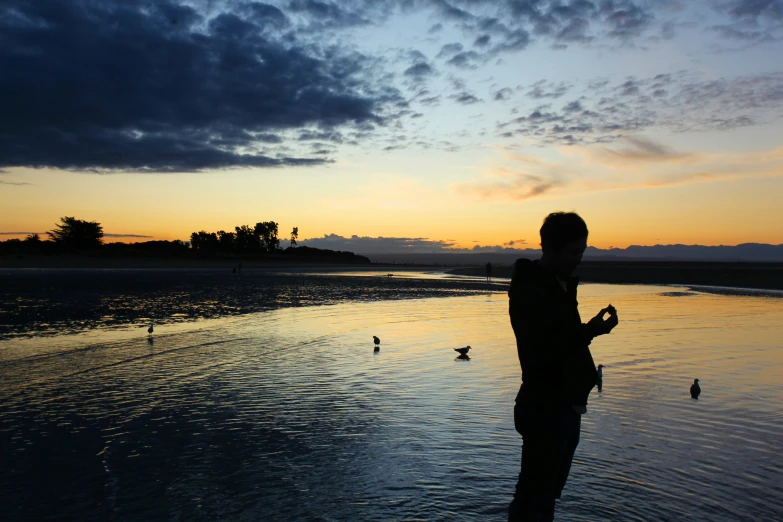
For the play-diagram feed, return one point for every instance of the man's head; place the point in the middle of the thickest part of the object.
(563, 241)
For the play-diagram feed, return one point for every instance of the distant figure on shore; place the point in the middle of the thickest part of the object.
(599, 381)
(389, 275)
(558, 371)
(150, 330)
(695, 389)
(462, 351)
(377, 343)
(489, 272)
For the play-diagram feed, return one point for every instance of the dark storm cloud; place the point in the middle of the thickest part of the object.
(502, 94)
(186, 85)
(430, 100)
(753, 9)
(575, 31)
(578, 21)
(674, 102)
(625, 19)
(465, 98)
(482, 41)
(330, 14)
(449, 49)
(419, 71)
(450, 12)
(159, 86)
(734, 33)
(545, 89)
(465, 60)
(751, 22)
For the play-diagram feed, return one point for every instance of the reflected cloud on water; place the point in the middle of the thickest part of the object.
(289, 415)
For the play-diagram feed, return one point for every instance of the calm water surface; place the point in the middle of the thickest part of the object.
(289, 415)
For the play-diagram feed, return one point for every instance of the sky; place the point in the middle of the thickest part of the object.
(431, 124)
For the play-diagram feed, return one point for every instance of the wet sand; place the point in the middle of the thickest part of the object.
(52, 301)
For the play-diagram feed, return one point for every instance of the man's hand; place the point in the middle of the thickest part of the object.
(603, 326)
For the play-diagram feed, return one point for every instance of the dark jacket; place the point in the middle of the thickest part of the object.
(552, 343)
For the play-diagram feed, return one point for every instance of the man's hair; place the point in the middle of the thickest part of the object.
(560, 228)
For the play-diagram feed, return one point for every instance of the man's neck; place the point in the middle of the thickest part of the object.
(547, 263)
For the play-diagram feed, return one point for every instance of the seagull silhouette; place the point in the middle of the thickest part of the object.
(462, 351)
(150, 329)
(695, 389)
(377, 343)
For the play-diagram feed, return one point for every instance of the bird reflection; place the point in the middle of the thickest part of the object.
(463, 357)
(151, 341)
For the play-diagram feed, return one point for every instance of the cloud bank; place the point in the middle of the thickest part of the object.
(412, 245)
(190, 85)
(163, 86)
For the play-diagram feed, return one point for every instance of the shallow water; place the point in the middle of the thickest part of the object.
(49, 302)
(290, 415)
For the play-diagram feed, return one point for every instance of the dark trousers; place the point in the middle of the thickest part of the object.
(549, 438)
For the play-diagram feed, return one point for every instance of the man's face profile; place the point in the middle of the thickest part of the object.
(569, 257)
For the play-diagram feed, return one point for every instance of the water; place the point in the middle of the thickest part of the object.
(289, 415)
(46, 302)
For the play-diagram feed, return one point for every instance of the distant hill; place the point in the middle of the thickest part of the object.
(748, 252)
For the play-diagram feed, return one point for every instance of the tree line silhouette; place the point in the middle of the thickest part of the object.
(73, 236)
(262, 238)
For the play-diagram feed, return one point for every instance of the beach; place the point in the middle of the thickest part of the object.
(57, 301)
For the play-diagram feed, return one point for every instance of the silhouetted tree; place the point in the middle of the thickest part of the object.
(294, 236)
(267, 231)
(32, 238)
(225, 241)
(76, 233)
(195, 241)
(211, 241)
(247, 239)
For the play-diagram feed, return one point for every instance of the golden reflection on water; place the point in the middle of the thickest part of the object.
(295, 410)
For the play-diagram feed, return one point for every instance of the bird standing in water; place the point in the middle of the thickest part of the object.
(462, 351)
(149, 330)
(599, 379)
(695, 389)
(377, 343)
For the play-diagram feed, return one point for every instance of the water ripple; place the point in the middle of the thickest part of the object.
(291, 415)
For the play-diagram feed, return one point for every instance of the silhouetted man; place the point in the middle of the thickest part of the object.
(489, 272)
(557, 369)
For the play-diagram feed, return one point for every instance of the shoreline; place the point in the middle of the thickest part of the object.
(741, 275)
(41, 302)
